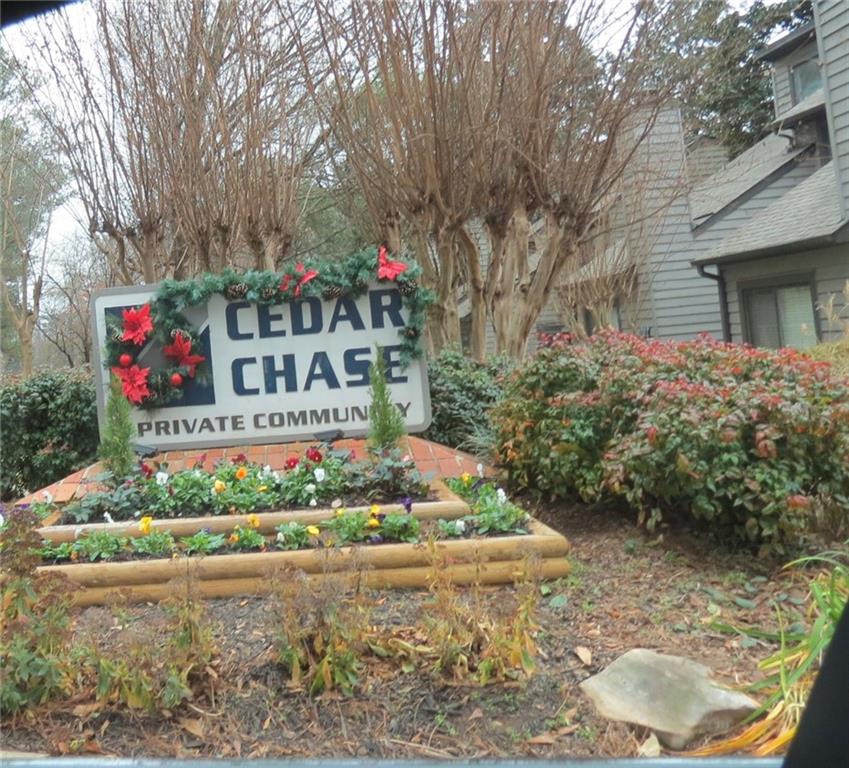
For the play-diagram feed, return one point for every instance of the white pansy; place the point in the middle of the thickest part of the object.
(281, 536)
(137, 513)
(336, 503)
(460, 526)
(162, 478)
(320, 474)
(48, 497)
(107, 517)
(310, 487)
(501, 496)
(2, 519)
(480, 470)
(313, 502)
(266, 470)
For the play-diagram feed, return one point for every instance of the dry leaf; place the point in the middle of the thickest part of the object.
(584, 655)
(476, 715)
(193, 725)
(84, 710)
(543, 738)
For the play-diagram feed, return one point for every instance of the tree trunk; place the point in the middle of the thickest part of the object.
(445, 320)
(477, 297)
(533, 295)
(25, 341)
(512, 280)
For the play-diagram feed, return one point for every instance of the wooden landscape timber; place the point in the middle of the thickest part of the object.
(486, 560)
(447, 506)
(495, 560)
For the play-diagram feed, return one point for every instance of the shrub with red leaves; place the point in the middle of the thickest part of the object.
(754, 441)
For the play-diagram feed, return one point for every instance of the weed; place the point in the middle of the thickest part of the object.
(34, 636)
(321, 633)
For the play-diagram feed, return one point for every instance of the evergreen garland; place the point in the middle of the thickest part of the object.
(348, 277)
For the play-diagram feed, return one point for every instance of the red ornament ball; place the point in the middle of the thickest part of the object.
(176, 380)
(125, 360)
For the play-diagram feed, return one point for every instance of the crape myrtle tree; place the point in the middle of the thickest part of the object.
(451, 113)
(186, 130)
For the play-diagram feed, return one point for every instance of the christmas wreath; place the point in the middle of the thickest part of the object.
(161, 319)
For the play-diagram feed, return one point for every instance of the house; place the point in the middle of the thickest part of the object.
(781, 274)
(755, 249)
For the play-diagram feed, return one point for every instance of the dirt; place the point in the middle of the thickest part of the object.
(628, 589)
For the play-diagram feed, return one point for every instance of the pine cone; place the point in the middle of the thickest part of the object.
(332, 292)
(268, 293)
(184, 334)
(408, 287)
(117, 334)
(411, 332)
(237, 291)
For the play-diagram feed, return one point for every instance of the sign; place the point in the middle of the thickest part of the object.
(274, 373)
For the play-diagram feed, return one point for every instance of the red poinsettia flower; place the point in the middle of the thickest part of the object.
(308, 275)
(386, 269)
(292, 462)
(137, 324)
(181, 353)
(133, 382)
(313, 454)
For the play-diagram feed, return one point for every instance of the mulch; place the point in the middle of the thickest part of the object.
(628, 589)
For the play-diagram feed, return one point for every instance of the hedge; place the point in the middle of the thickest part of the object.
(49, 424)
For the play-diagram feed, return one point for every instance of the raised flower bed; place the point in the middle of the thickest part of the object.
(144, 539)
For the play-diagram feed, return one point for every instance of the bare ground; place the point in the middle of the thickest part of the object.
(628, 589)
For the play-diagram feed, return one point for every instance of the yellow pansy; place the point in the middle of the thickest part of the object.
(341, 511)
(253, 521)
(374, 511)
(374, 523)
(241, 473)
(313, 530)
(145, 525)
(466, 478)
(219, 486)
(262, 488)
(234, 537)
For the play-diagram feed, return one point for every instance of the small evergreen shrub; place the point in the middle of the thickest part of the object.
(754, 442)
(49, 429)
(386, 427)
(116, 444)
(462, 391)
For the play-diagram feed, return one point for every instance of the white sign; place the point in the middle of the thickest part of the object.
(274, 373)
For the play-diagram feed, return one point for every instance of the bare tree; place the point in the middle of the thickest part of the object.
(31, 186)
(185, 131)
(452, 111)
(75, 273)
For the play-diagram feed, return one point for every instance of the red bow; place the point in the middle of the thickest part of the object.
(386, 269)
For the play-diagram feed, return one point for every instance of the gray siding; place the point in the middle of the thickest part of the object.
(832, 18)
(671, 299)
(831, 271)
(781, 80)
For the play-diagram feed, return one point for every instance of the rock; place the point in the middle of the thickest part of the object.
(672, 696)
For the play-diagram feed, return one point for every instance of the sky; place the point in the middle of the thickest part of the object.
(68, 220)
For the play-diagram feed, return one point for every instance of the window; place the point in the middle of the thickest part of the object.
(806, 79)
(780, 315)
